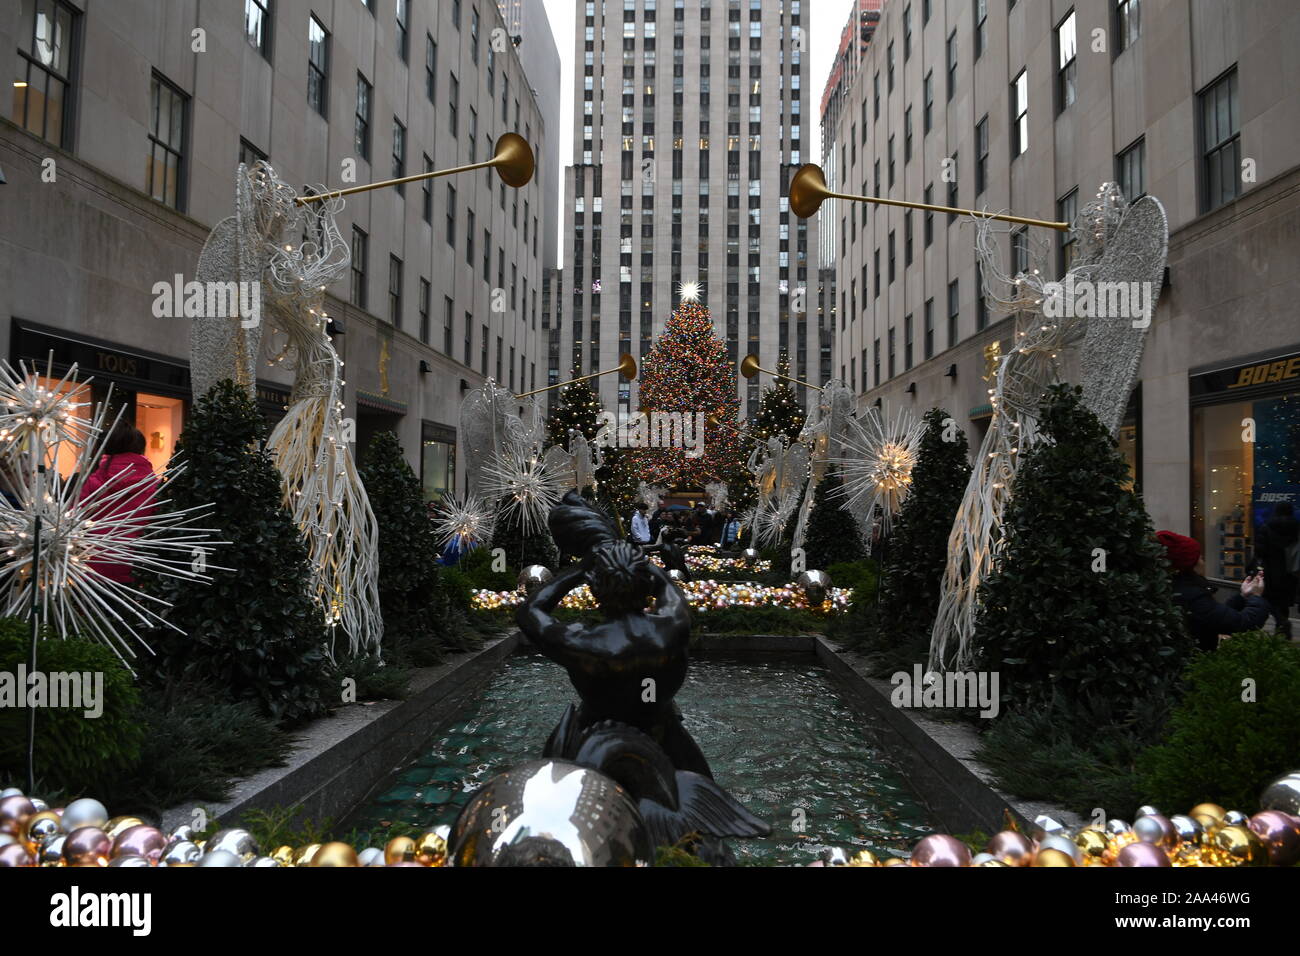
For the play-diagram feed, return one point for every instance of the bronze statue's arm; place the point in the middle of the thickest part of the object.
(550, 636)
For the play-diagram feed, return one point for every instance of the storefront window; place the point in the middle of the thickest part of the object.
(438, 467)
(64, 458)
(160, 419)
(1245, 460)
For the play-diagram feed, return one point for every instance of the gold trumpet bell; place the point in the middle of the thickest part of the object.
(627, 366)
(749, 366)
(808, 190)
(513, 160)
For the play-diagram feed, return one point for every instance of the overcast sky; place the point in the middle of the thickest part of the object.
(823, 18)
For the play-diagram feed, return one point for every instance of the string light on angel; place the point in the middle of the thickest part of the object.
(880, 452)
(56, 537)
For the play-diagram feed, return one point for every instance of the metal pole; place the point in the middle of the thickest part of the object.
(317, 197)
(905, 204)
(36, 627)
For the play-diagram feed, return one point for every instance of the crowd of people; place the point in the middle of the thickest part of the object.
(669, 531)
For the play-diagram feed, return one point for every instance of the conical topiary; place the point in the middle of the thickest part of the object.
(918, 547)
(831, 535)
(255, 632)
(418, 617)
(1080, 602)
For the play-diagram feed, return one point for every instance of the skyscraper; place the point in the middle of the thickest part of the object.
(692, 154)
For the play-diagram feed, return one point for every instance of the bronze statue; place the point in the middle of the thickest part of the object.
(626, 670)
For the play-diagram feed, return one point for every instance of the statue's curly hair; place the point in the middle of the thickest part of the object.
(620, 576)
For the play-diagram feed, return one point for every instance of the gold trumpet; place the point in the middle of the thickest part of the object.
(626, 365)
(513, 161)
(749, 367)
(808, 191)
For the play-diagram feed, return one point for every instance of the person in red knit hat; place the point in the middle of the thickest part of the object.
(1207, 618)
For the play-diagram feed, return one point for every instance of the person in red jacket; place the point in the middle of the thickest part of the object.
(122, 466)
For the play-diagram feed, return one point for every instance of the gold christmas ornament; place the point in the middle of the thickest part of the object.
(117, 825)
(304, 855)
(1239, 846)
(400, 850)
(1053, 857)
(431, 849)
(335, 854)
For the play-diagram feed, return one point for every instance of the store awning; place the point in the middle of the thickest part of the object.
(981, 411)
(380, 403)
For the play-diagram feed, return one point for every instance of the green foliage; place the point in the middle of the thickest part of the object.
(417, 610)
(1077, 754)
(280, 826)
(524, 549)
(477, 568)
(779, 411)
(382, 680)
(917, 550)
(676, 856)
(1222, 748)
(73, 753)
(255, 632)
(756, 620)
(859, 576)
(195, 747)
(832, 533)
(1051, 621)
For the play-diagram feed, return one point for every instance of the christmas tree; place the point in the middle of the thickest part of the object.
(918, 548)
(578, 410)
(255, 631)
(1080, 603)
(832, 534)
(779, 413)
(688, 371)
(418, 615)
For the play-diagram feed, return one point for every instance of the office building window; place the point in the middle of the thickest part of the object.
(1067, 65)
(1221, 133)
(954, 310)
(317, 67)
(399, 154)
(1020, 251)
(907, 342)
(423, 305)
(447, 322)
(43, 84)
(249, 154)
(402, 14)
(257, 25)
(1128, 170)
(1020, 114)
(430, 67)
(952, 64)
(426, 188)
(451, 216)
(927, 110)
(361, 139)
(981, 155)
(357, 293)
(1067, 207)
(395, 291)
(469, 238)
(1128, 23)
(453, 106)
(164, 179)
(981, 27)
(927, 342)
(928, 228)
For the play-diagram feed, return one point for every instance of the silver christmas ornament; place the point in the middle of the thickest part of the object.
(533, 577)
(550, 813)
(237, 841)
(1283, 794)
(815, 586)
(220, 858)
(86, 812)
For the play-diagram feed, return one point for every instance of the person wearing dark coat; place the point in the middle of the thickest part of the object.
(1207, 618)
(1272, 543)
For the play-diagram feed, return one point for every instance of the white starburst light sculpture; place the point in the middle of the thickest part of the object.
(689, 291)
(879, 453)
(526, 486)
(465, 518)
(56, 537)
